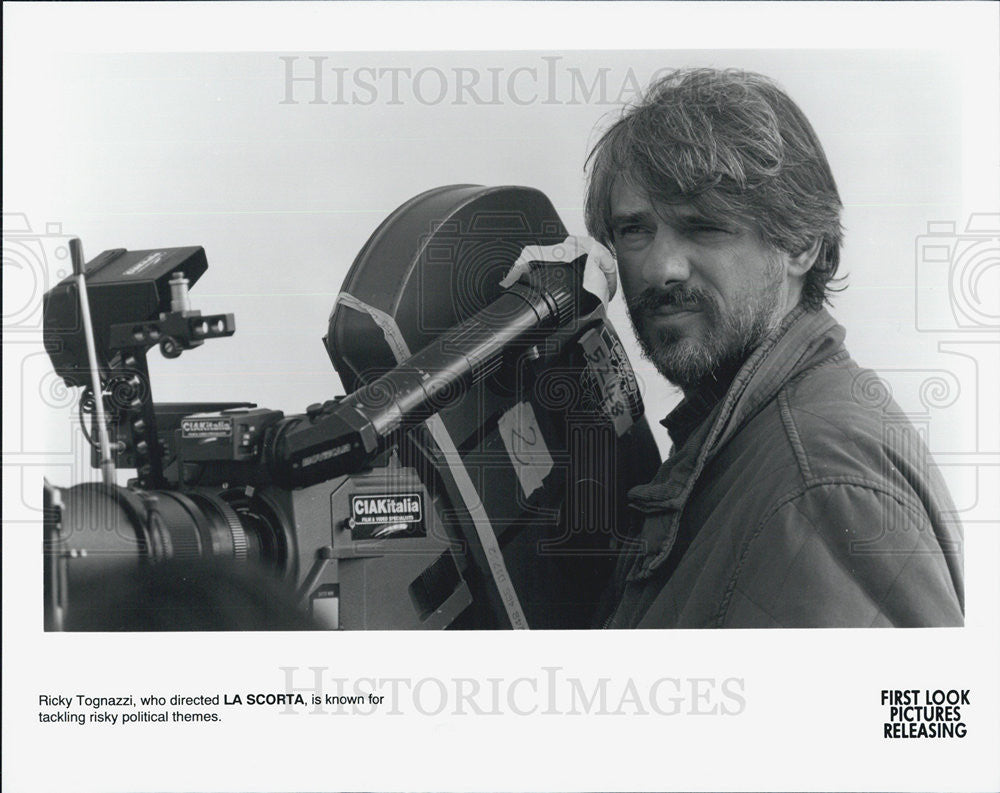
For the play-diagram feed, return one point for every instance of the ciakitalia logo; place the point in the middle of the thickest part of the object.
(547, 80)
(549, 692)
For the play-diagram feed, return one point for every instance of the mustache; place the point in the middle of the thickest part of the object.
(677, 296)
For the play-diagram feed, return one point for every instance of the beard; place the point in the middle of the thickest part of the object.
(726, 341)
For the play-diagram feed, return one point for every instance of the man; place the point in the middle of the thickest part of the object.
(796, 494)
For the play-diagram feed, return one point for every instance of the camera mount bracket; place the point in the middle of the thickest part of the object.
(137, 300)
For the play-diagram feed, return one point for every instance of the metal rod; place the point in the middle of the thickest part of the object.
(107, 464)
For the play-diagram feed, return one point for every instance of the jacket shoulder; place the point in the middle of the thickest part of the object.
(870, 513)
(819, 425)
(841, 422)
(841, 555)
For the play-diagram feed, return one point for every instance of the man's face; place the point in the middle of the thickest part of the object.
(702, 292)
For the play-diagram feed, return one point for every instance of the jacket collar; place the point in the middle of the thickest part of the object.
(804, 339)
(697, 405)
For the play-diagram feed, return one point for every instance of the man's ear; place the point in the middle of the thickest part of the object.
(801, 263)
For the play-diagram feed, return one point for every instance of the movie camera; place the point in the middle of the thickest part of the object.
(472, 477)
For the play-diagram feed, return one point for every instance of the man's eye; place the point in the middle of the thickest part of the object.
(631, 230)
(708, 228)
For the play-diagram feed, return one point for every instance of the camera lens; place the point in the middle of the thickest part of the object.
(201, 550)
(104, 527)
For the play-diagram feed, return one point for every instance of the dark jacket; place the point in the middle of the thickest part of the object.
(805, 498)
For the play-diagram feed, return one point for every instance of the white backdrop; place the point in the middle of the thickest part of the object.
(179, 125)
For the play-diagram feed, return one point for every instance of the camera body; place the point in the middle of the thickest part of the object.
(473, 477)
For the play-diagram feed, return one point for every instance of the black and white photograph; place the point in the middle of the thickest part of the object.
(376, 390)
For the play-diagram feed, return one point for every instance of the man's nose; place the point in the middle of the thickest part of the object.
(668, 261)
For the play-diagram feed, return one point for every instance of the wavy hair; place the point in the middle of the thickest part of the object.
(734, 145)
